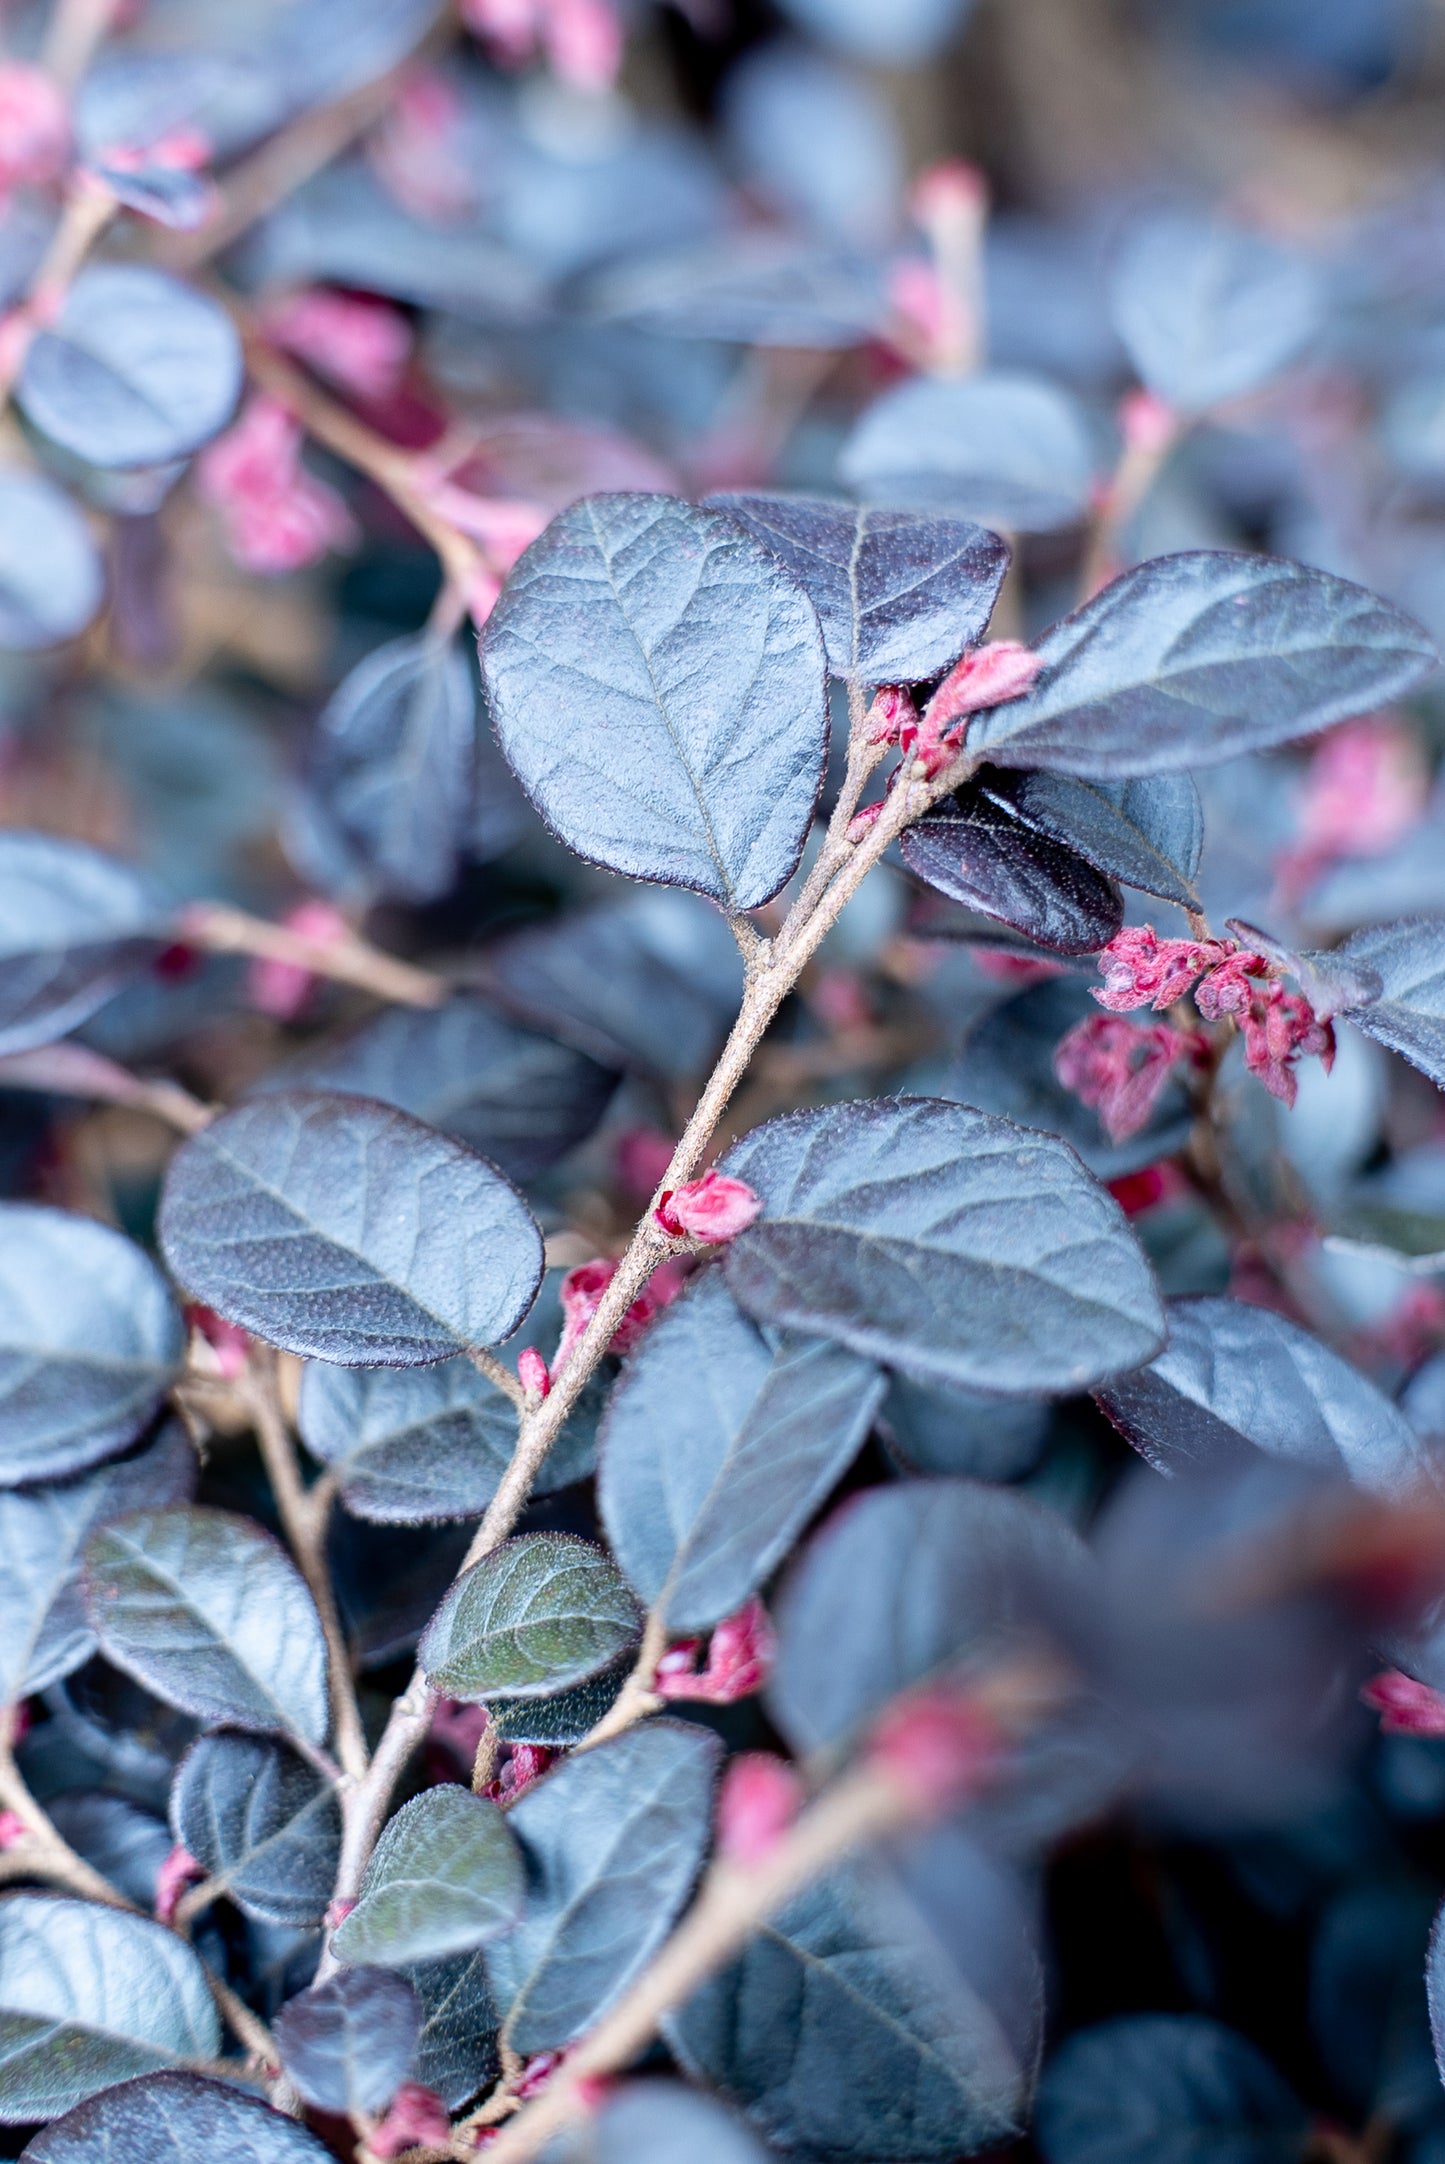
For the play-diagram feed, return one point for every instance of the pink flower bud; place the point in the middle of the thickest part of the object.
(34, 127)
(225, 1344)
(337, 1913)
(583, 40)
(713, 1208)
(532, 1373)
(509, 28)
(352, 339)
(739, 1658)
(952, 189)
(13, 1829)
(758, 1800)
(938, 1746)
(417, 2119)
(862, 822)
(1146, 423)
(526, 1763)
(277, 516)
(283, 988)
(916, 297)
(990, 676)
(891, 711)
(1405, 1707)
(179, 1871)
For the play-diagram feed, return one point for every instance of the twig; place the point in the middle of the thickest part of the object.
(73, 1070)
(76, 27)
(305, 1527)
(498, 1373)
(89, 208)
(223, 930)
(637, 1698)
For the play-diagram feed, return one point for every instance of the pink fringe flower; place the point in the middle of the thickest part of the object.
(1280, 1028)
(739, 1659)
(352, 339)
(1119, 1069)
(34, 127)
(712, 1208)
(1405, 1707)
(990, 676)
(1142, 970)
(277, 516)
(581, 1295)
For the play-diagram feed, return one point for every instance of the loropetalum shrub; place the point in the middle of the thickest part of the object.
(721, 1359)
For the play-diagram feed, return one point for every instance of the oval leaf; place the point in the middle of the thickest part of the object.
(974, 848)
(656, 2122)
(658, 684)
(89, 1996)
(445, 1877)
(717, 1449)
(348, 2043)
(536, 1615)
(175, 2119)
(1194, 658)
(612, 1841)
(74, 926)
(457, 2052)
(1408, 957)
(137, 369)
(208, 1612)
(90, 1339)
(348, 1231)
(44, 1630)
(1011, 450)
(51, 580)
(265, 1826)
(1165, 2089)
(899, 597)
(1234, 1376)
(1209, 311)
(944, 1242)
(1149, 832)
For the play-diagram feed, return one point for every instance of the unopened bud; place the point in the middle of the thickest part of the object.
(989, 676)
(532, 1374)
(713, 1208)
(950, 192)
(179, 1870)
(891, 710)
(936, 1746)
(34, 126)
(417, 2119)
(1146, 423)
(1405, 1707)
(759, 1798)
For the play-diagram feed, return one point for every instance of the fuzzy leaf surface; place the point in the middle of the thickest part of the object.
(348, 2043)
(540, 1613)
(74, 927)
(1408, 956)
(975, 848)
(717, 1448)
(1011, 450)
(944, 1242)
(612, 1840)
(90, 1338)
(138, 368)
(445, 1877)
(1149, 833)
(1192, 659)
(209, 1612)
(174, 2119)
(345, 1230)
(265, 1824)
(1233, 1375)
(899, 596)
(89, 1996)
(658, 684)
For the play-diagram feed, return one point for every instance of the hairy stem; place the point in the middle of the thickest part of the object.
(637, 1697)
(304, 1516)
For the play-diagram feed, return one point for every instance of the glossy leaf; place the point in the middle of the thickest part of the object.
(208, 1612)
(612, 1840)
(658, 685)
(51, 580)
(1408, 957)
(909, 1582)
(974, 848)
(717, 1448)
(90, 1339)
(348, 2043)
(944, 1242)
(44, 1630)
(89, 1996)
(391, 769)
(136, 369)
(1165, 2089)
(74, 927)
(650, 982)
(1209, 311)
(899, 597)
(1195, 658)
(538, 1614)
(265, 1826)
(174, 2119)
(519, 1099)
(1011, 450)
(1149, 833)
(1234, 1376)
(445, 1878)
(348, 1231)
(841, 2037)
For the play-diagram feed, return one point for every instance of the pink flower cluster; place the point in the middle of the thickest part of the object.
(989, 676)
(581, 1295)
(355, 341)
(712, 1208)
(1119, 1070)
(1405, 1707)
(1279, 1027)
(580, 39)
(739, 1657)
(277, 516)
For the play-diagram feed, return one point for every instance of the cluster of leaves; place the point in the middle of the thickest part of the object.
(721, 1316)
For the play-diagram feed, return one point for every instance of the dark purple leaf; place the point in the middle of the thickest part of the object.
(974, 848)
